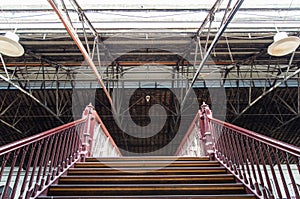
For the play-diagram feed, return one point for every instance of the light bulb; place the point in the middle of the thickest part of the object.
(148, 98)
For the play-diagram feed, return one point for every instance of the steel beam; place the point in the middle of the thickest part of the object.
(79, 44)
(213, 44)
(286, 123)
(31, 96)
(216, 39)
(266, 92)
(12, 126)
(209, 16)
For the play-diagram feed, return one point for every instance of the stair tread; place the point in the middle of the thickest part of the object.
(151, 170)
(147, 164)
(147, 178)
(146, 189)
(146, 158)
(153, 176)
(151, 185)
(231, 196)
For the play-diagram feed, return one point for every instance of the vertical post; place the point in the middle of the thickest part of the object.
(207, 136)
(88, 132)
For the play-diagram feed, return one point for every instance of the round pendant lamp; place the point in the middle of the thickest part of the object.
(283, 44)
(10, 46)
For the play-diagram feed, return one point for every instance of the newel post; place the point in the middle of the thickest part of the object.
(206, 131)
(87, 135)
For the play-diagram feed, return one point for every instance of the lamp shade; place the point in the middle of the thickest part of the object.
(283, 44)
(10, 46)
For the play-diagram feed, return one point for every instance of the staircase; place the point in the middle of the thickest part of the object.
(148, 177)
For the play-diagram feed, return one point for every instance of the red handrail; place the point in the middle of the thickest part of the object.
(38, 160)
(30, 165)
(268, 168)
(23, 142)
(259, 137)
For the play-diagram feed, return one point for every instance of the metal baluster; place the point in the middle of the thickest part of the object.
(56, 159)
(249, 154)
(62, 152)
(277, 158)
(12, 167)
(42, 163)
(52, 158)
(233, 152)
(238, 155)
(294, 185)
(69, 154)
(33, 145)
(4, 161)
(262, 158)
(228, 150)
(14, 190)
(254, 149)
(30, 190)
(242, 160)
(270, 162)
(223, 147)
(45, 174)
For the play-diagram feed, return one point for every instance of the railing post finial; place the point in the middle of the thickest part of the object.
(87, 135)
(88, 110)
(207, 135)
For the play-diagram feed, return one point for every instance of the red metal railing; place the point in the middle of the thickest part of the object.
(268, 167)
(198, 141)
(30, 165)
(97, 140)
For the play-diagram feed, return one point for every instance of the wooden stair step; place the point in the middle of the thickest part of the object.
(153, 179)
(144, 170)
(147, 158)
(148, 177)
(231, 196)
(147, 164)
(145, 189)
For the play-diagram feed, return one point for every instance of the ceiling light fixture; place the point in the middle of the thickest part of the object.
(10, 46)
(283, 44)
(148, 98)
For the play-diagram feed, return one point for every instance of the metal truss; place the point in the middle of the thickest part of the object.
(28, 77)
(17, 78)
(86, 52)
(48, 74)
(289, 78)
(228, 16)
(226, 20)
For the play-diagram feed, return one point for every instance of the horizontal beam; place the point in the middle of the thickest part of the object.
(18, 5)
(120, 63)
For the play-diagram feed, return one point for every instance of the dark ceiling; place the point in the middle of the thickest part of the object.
(269, 116)
(158, 55)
